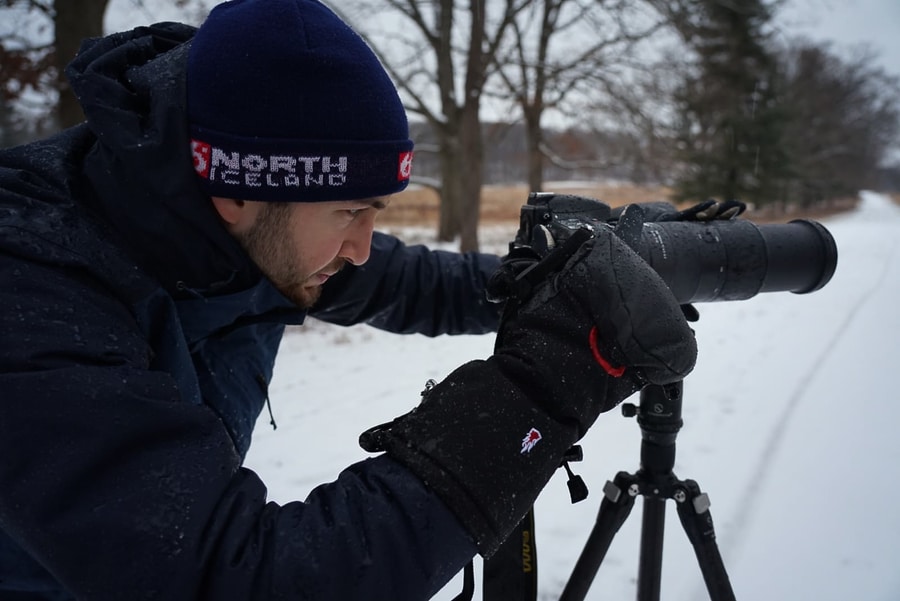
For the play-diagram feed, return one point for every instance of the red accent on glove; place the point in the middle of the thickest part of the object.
(615, 372)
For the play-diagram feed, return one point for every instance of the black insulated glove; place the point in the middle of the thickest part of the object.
(708, 210)
(596, 328)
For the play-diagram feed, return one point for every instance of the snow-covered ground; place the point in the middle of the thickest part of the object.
(791, 427)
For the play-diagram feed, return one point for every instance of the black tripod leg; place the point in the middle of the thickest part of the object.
(693, 510)
(618, 500)
(649, 584)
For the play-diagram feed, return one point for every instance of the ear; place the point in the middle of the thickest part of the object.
(230, 209)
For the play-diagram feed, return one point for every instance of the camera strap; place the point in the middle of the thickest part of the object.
(511, 573)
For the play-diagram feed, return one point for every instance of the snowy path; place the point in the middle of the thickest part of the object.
(791, 422)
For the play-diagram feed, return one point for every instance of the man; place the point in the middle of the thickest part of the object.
(225, 184)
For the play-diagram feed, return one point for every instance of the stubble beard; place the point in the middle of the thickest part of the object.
(268, 242)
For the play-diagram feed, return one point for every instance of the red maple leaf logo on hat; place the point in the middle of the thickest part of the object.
(404, 166)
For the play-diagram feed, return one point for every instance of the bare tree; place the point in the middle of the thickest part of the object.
(38, 39)
(73, 22)
(563, 49)
(844, 119)
(32, 62)
(439, 60)
(27, 73)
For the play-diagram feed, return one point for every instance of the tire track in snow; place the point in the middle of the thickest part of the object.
(743, 517)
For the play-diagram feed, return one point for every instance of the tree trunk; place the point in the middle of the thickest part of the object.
(73, 22)
(450, 193)
(534, 137)
(472, 173)
(472, 177)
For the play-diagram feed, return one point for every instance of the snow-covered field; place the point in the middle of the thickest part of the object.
(791, 427)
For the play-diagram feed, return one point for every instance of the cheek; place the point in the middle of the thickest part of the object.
(318, 251)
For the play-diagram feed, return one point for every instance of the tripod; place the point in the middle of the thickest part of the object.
(659, 417)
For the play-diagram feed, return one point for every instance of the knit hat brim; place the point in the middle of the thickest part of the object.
(279, 170)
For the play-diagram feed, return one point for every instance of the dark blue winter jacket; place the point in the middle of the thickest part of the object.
(137, 341)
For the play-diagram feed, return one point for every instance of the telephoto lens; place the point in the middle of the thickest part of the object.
(700, 261)
(737, 259)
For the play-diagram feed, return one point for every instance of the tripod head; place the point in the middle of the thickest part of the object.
(659, 417)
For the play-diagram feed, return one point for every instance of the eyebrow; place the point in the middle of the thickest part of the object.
(375, 203)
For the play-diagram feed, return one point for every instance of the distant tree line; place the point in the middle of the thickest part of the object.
(569, 154)
(694, 94)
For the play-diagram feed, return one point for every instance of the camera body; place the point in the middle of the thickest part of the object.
(700, 261)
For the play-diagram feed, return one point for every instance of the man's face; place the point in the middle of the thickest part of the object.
(299, 245)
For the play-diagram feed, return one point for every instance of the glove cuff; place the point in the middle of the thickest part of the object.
(484, 447)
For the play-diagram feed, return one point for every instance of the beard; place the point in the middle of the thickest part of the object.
(268, 242)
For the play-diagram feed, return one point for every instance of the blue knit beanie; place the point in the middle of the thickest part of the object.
(287, 103)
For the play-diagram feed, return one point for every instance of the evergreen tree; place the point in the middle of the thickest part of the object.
(729, 122)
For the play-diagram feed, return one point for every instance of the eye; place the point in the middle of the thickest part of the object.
(355, 212)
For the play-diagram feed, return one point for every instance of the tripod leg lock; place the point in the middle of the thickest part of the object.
(701, 503)
(612, 491)
(700, 500)
(697, 523)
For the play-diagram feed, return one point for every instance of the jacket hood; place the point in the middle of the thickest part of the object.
(131, 87)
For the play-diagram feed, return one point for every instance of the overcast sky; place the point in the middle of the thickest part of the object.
(849, 23)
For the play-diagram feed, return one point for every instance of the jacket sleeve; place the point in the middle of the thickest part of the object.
(121, 489)
(412, 289)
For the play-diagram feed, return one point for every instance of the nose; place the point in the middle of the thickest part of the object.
(358, 243)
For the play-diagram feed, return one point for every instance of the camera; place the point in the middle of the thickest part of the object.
(700, 261)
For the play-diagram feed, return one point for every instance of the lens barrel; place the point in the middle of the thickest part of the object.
(737, 259)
